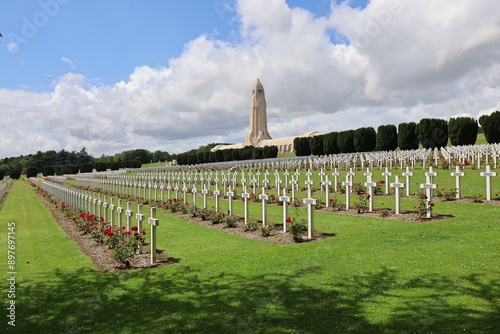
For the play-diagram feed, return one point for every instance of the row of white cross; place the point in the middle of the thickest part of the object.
(87, 202)
(429, 186)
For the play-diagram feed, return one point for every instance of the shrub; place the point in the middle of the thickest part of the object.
(387, 138)
(296, 229)
(330, 143)
(361, 205)
(462, 131)
(491, 127)
(407, 136)
(265, 230)
(345, 141)
(432, 132)
(364, 139)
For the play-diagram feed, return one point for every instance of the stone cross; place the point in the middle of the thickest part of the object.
(216, 194)
(488, 174)
(348, 185)
(350, 175)
(431, 174)
(407, 174)
(370, 185)
(119, 209)
(105, 207)
(428, 186)
(169, 190)
(99, 205)
(285, 200)
(129, 213)
(335, 175)
(293, 183)
(387, 174)
(205, 193)
(140, 218)
(245, 197)
(254, 181)
(279, 182)
(230, 195)
(310, 202)
(327, 183)
(286, 177)
(155, 187)
(457, 174)
(176, 189)
(184, 193)
(94, 201)
(397, 186)
(112, 213)
(153, 221)
(309, 183)
(162, 189)
(322, 177)
(264, 197)
(194, 191)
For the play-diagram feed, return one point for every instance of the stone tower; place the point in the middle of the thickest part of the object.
(258, 116)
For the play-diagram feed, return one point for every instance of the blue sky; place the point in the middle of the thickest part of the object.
(176, 74)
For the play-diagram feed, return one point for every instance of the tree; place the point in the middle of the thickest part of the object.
(48, 170)
(407, 136)
(387, 138)
(462, 131)
(491, 127)
(364, 139)
(345, 141)
(330, 143)
(301, 146)
(258, 153)
(4, 170)
(432, 132)
(270, 152)
(31, 171)
(316, 145)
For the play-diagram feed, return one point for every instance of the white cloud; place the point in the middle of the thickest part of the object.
(12, 47)
(70, 62)
(405, 61)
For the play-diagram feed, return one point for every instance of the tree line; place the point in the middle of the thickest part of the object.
(65, 162)
(429, 132)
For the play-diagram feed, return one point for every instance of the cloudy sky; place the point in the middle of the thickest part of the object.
(174, 75)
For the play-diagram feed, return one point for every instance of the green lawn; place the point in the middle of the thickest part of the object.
(375, 276)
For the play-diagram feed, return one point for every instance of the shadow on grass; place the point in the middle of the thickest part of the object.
(185, 300)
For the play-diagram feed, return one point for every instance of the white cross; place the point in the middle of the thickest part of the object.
(230, 195)
(154, 222)
(488, 174)
(129, 215)
(407, 174)
(285, 200)
(428, 186)
(397, 186)
(386, 174)
(348, 185)
(457, 174)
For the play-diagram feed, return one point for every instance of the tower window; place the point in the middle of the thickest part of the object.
(260, 91)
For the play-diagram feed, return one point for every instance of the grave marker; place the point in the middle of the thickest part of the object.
(153, 221)
(457, 174)
(488, 174)
(397, 186)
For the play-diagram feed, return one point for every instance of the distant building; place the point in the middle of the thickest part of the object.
(258, 135)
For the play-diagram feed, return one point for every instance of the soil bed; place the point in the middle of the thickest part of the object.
(101, 254)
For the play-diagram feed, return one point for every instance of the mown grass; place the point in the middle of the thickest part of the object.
(374, 276)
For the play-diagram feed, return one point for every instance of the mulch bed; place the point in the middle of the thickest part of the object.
(101, 254)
